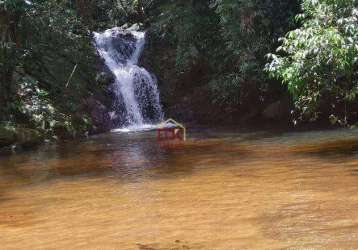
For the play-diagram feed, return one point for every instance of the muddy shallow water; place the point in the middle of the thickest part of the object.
(219, 190)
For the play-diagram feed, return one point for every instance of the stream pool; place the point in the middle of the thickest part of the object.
(222, 189)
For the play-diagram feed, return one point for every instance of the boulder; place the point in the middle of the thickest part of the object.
(105, 78)
(7, 135)
(62, 132)
(99, 115)
(26, 137)
(135, 27)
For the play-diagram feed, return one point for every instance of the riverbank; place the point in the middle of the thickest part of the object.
(12, 136)
(19, 138)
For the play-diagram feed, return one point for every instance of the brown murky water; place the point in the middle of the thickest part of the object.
(220, 190)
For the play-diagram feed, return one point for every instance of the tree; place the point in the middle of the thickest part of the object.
(319, 61)
(250, 30)
(41, 45)
(222, 45)
(11, 13)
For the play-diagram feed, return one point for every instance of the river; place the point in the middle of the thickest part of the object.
(222, 189)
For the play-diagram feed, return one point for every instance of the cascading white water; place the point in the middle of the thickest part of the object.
(135, 88)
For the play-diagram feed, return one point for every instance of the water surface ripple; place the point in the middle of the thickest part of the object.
(220, 190)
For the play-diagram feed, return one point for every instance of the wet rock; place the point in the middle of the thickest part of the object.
(99, 115)
(7, 135)
(105, 78)
(135, 27)
(19, 136)
(62, 132)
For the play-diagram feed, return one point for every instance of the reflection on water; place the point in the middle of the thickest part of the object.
(219, 190)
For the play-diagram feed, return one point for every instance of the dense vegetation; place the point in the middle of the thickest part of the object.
(219, 50)
(47, 67)
(319, 61)
(209, 56)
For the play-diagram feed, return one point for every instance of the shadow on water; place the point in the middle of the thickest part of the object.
(344, 147)
(138, 156)
(127, 157)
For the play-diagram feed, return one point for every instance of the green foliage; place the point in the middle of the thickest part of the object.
(42, 42)
(319, 61)
(227, 90)
(191, 28)
(229, 37)
(108, 13)
(250, 29)
(14, 7)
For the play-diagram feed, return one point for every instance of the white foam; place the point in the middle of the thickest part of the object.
(134, 86)
(136, 128)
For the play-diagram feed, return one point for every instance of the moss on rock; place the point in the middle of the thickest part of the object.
(7, 134)
(26, 137)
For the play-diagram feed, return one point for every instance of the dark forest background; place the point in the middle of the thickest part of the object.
(218, 62)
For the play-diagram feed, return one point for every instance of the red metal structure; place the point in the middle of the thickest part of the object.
(164, 134)
(171, 130)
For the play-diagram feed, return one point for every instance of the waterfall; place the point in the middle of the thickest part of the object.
(137, 103)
